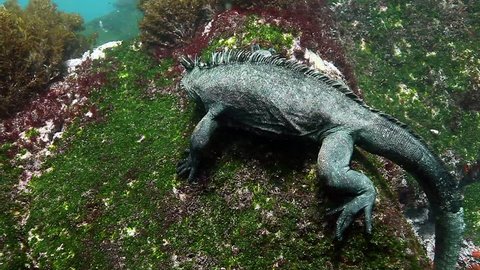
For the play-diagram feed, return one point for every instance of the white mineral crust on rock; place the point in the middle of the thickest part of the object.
(95, 54)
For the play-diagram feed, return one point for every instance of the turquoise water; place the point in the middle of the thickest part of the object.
(108, 20)
(88, 9)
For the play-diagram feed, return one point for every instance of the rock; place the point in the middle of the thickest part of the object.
(95, 54)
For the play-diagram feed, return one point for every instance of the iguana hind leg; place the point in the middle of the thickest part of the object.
(334, 167)
(200, 137)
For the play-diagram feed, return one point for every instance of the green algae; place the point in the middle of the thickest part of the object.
(12, 236)
(106, 188)
(254, 32)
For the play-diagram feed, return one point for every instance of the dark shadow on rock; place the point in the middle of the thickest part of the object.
(274, 155)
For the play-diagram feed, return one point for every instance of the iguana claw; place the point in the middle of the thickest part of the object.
(186, 168)
(183, 168)
(349, 210)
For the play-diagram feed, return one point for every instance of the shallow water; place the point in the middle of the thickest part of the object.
(260, 194)
(88, 9)
(108, 20)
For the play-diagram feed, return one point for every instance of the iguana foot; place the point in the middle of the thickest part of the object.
(200, 137)
(186, 168)
(349, 210)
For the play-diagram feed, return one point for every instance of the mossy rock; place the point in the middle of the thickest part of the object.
(112, 199)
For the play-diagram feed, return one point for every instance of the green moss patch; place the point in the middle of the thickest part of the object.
(12, 207)
(255, 31)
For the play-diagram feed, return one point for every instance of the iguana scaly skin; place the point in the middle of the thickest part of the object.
(272, 95)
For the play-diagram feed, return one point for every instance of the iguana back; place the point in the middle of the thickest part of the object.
(267, 97)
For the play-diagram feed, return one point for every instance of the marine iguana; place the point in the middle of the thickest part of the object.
(272, 95)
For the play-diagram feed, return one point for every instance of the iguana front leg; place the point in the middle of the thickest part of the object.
(334, 166)
(200, 137)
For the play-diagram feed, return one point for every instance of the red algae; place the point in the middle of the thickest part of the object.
(34, 129)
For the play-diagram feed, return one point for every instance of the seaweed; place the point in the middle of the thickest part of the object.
(170, 24)
(34, 44)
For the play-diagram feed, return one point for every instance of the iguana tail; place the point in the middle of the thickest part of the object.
(409, 151)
